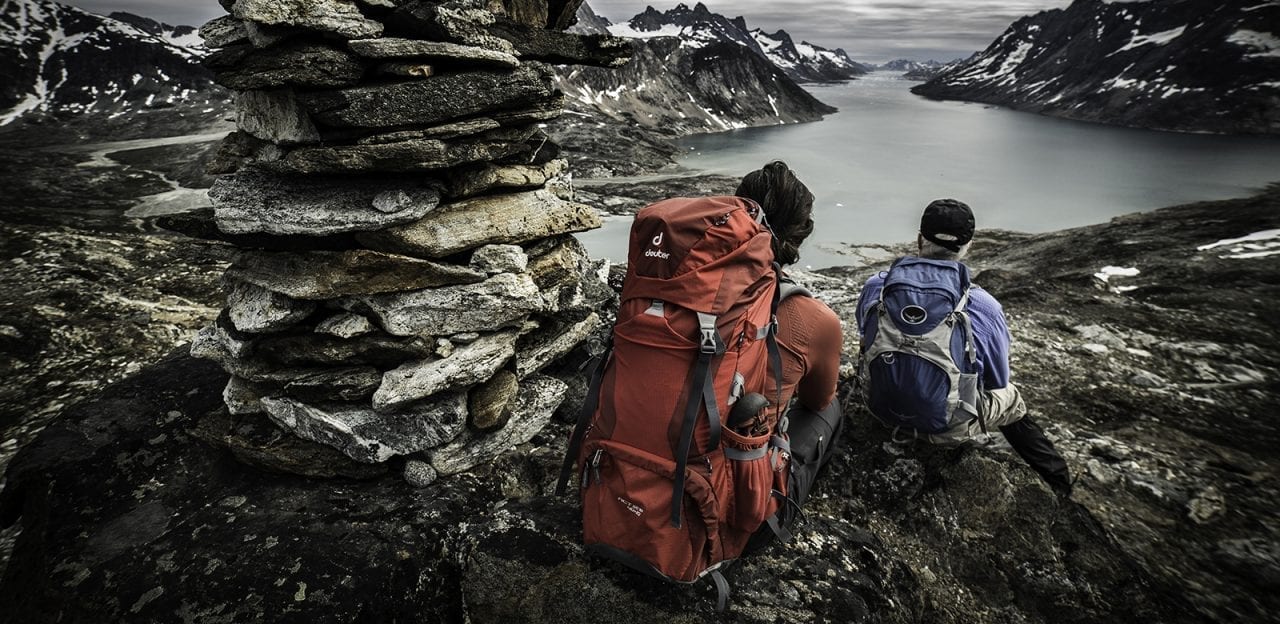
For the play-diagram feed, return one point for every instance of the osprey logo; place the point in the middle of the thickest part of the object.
(657, 253)
(914, 315)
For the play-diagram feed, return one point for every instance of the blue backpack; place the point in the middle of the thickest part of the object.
(918, 357)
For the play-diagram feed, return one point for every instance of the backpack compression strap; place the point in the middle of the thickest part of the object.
(589, 405)
(701, 392)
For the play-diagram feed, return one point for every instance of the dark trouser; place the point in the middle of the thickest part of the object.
(1030, 443)
(813, 437)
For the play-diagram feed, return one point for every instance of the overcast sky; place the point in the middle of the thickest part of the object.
(869, 30)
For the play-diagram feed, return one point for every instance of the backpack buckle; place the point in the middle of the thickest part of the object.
(710, 343)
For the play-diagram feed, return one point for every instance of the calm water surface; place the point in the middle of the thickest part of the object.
(874, 165)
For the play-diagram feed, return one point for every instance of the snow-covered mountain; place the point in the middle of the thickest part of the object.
(806, 62)
(59, 62)
(1186, 65)
(908, 65)
(691, 71)
(698, 26)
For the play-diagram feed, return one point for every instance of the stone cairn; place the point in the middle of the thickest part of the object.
(408, 264)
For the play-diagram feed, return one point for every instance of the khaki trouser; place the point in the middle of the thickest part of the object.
(996, 408)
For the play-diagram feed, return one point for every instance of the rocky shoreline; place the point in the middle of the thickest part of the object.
(1158, 387)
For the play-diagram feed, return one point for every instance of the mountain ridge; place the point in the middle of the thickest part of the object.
(1192, 66)
(65, 63)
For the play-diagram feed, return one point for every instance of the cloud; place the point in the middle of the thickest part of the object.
(179, 12)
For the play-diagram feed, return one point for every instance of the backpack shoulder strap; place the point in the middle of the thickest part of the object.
(788, 287)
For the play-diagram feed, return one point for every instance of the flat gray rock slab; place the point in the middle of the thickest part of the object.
(368, 436)
(223, 31)
(491, 219)
(430, 100)
(466, 367)
(531, 410)
(255, 202)
(500, 301)
(303, 65)
(334, 274)
(406, 156)
(394, 48)
(486, 177)
(340, 17)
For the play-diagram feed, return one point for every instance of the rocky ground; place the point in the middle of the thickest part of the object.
(1158, 387)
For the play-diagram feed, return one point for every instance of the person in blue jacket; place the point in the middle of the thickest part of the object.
(946, 229)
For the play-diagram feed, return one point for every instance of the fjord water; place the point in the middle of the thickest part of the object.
(876, 163)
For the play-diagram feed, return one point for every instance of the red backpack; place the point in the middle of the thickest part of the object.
(671, 484)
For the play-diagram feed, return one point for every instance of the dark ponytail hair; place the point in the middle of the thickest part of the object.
(787, 204)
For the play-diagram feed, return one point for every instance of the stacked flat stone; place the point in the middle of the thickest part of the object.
(409, 266)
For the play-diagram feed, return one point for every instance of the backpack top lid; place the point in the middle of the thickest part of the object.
(919, 293)
(701, 253)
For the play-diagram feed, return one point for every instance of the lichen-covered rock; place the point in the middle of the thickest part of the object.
(465, 182)
(350, 383)
(430, 100)
(302, 65)
(301, 350)
(239, 149)
(369, 436)
(253, 202)
(531, 410)
(445, 131)
(395, 48)
(500, 301)
(405, 156)
(458, 21)
(487, 402)
(470, 223)
(223, 31)
(340, 17)
(419, 474)
(345, 325)
(494, 259)
(242, 397)
(334, 274)
(255, 309)
(467, 366)
(539, 348)
(274, 116)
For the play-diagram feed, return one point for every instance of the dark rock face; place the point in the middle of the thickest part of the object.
(60, 61)
(1192, 66)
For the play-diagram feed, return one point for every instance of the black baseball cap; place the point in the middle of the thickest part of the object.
(947, 222)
